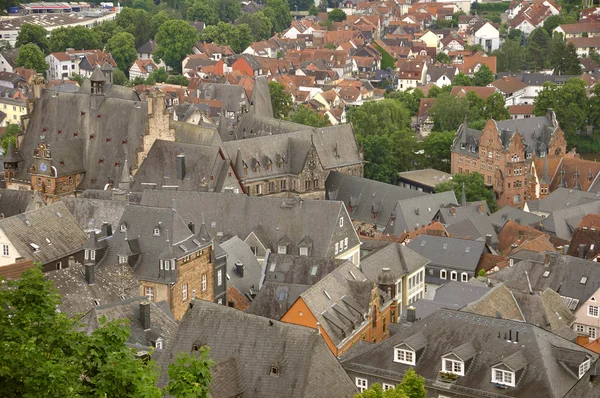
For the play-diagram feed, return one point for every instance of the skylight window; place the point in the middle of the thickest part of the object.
(545, 274)
(583, 280)
(467, 249)
(313, 271)
(327, 294)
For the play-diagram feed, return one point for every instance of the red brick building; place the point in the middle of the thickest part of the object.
(504, 151)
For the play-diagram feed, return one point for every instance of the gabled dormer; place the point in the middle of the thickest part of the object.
(409, 351)
(283, 245)
(576, 363)
(459, 359)
(506, 372)
(305, 246)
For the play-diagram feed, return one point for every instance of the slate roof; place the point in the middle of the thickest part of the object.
(79, 297)
(545, 359)
(52, 228)
(563, 275)
(174, 241)
(563, 222)
(260, 100)
(301, 270)
(413, 213)
(563, 198)
(536, 133)
(275, 298)
(340, 301)
(458, 255)
(91, 213)
(147, 48)
(102, 123)
(500, 217)
(238, 251)
(13, 202)
(400, 259)
(361, 196)
(205, 168)
(451, 295)
(270, 218)
(245, 347)
(232, 96)
(162, 323)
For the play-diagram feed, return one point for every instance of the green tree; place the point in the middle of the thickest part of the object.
(44, 355)
(411, 99)
(159, 75)
(413, 385)
(259, 24)
(157, 20)
(10, 135)
(190, 375)
(34, 34)
(563, 57)
(280, 100)
(337, 15)
(239, 37)
(146, 5)
(462, 80)
(122, 48)
(308, 117)
(314, 11)
(31, 57)
(433, 92)
(174, 41)
(77, 78)
(442, 58)
(538, 47)
(136, 22)
(594, 56)
(436, 147)
(551, 23)
(379, 117)
(515, 34)
(278, 11)
(483, 76)
(387, 61)
(119, 77)
(475, 188)
(511, 57)
(177, 79)
(105, 30)
(448, 112)
(227, 10)
(77, 37)
(572, 65)
(201, 10)
(495, 107)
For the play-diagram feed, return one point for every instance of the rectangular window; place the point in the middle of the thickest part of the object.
(219, 277)
(86, 254)
(5, 251)
(304, 251)
(184, 291)
(345, 243)
(281, 250)
(361, 384)
(203, 282)
(453, 366)
(337, 248)
(387, 386)
(404, 356)
(149, 293)
(93, 254)
(341, 221)
(592, 332)
(593, 311)
(584, 367)
(503, 377)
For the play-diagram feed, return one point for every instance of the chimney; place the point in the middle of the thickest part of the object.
(411, 314)
(488, 239)
(318, 327)
(180, 166)
(106, 229)
(480, 208)
(145, 314)
(583, 340)
(90, 276)
(239, 268)
(565, 249)
(192, 227)
(582, 248)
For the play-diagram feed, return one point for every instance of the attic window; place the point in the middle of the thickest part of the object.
(274, 371)
(117, 164)
(75, 135)
(445, 246)
(503, 377)
(59, 131)
(35, 247)
(101, 161)
(545, 274)
(156, 231)
(99, 116)
(423, 243)
(107, 139)
(82, 113)
(327, 294)
(123, 227)
(91, 137)
(404, 356)
(583, 280)
(467, 249)
(62, 163)
(584, 367)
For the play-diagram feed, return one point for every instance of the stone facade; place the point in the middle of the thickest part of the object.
(505, 166)
(192, 270)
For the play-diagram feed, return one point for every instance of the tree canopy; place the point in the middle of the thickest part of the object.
(174, 41)
(34, 34)
(278, 11)
(122, 48)
(483, 76)
(437, 149)
(238, 37)
(412, 386)
(44, 354)
(10, 135)
(308, 117)
(280, 100)
(31, 57)
(336, 15)
(77, 37)
(260, 25)
(474, 186)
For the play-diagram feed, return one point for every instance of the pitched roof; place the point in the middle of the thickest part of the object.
(13, 202)
(562, 222)
(45, 234)
(400, 259)
(275, 298)
(270, 219)
(482, 92)
(248, 346)
(445, 331)
(239, 253)
(79, 297)
(429, 177)
(509, 84)
(14, 271)
(443, 252)
(365, 198)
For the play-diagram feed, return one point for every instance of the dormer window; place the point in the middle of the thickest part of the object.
(92, 254)
(281, 249)
(453, 275)
(123, 227)
(504, 377)
(455, 366)
(274, 371)
(304, 251)
(584, 367)
(404, 356)
(159, 343)
(122, 259)
(464, 277)
(87, 254)
(156, 231)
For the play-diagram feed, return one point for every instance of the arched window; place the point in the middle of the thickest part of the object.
(444, 274)
(464, 277)
(454, 275)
